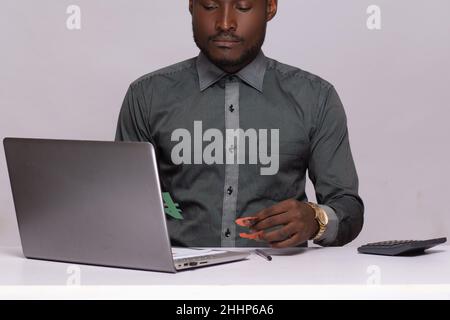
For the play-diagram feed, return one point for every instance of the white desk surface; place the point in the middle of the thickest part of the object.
(305, 267)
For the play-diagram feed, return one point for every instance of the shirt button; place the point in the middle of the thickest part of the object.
(230, 190)
(231, 78)
(231, 108)
(228, 233)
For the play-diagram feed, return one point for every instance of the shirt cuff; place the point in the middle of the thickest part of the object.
(331, 232)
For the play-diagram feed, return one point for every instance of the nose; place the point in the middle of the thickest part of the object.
(226, 20)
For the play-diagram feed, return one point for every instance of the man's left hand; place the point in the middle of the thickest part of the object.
(295, 218)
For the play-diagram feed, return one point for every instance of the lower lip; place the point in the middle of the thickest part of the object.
(227, 44)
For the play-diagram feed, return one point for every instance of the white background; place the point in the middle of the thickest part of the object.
(394, 83)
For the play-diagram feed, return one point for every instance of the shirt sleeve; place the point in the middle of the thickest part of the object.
(332, 171)
(133, 122)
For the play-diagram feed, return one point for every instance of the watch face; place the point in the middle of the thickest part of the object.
(322, 217)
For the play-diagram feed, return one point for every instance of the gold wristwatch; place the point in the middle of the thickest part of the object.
(321, 218)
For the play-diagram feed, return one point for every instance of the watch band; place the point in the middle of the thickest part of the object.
(319, 212)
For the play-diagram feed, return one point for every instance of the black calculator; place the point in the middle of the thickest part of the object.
(400, 247)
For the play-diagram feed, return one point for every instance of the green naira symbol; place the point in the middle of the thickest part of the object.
(170, 207)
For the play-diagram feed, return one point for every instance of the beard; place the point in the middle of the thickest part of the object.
(246, 57)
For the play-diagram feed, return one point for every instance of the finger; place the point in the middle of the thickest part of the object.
(278, 208)
(280, 234)
(252, 236)
(246, 221)
(296, 239)
(272, 221)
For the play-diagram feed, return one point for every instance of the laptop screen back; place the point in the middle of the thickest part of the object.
(89, 202)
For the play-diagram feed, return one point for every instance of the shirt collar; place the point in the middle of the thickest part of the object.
(252, 74)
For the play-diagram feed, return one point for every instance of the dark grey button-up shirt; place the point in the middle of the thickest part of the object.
(292, 121)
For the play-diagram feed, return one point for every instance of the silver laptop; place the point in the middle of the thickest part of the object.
(97, 203)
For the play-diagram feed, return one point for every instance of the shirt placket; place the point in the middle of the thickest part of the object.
(230, 190)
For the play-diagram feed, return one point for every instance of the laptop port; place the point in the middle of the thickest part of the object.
(192, 264)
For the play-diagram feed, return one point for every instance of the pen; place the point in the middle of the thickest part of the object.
(263, 254)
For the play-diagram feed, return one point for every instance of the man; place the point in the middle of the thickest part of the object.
(213, 120)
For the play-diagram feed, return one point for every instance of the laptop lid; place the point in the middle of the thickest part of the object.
(89, 202)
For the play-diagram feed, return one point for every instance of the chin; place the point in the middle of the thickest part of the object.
(225, 59)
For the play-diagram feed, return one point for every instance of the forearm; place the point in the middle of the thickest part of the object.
(346, 219)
